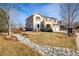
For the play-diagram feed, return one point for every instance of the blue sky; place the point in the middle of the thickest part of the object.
(23, 10)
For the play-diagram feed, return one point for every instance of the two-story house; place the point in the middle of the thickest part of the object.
(39, 22)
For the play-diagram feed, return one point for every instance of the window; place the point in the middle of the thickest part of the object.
(43, 19)
(54, 20)
(46, 19)
(37, 18)
(60, 22)
(50, 20)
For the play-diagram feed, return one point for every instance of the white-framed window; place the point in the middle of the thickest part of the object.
(37, 18)
(54, 20)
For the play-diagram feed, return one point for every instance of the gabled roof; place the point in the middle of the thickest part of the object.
(29, 17)
(50, 17)
(46, 16)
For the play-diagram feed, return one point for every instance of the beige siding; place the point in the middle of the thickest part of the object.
(35, 22)
(32, 22)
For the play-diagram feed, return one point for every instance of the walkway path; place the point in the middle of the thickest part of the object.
(48, 50)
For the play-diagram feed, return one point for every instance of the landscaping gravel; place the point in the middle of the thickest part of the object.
(48, 50)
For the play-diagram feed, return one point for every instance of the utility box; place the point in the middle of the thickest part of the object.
(70, 30)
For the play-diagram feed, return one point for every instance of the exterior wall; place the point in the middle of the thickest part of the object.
(35, 22)
(54, 21)
(32, 22)
(29, 23)
(56, 28)
(48, 21)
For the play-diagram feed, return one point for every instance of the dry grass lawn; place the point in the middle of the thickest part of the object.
(51, 39)
(15, 48)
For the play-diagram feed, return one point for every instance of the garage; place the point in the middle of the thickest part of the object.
(56, 27)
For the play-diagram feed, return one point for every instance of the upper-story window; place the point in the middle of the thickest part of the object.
(54, 20)
(60, 22)
(37, 18)
(43, 20)
(46, 19)
(50, 20)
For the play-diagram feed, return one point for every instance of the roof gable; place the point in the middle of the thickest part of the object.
(46, 16)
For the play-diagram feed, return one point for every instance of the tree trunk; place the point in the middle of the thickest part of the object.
(9, 28)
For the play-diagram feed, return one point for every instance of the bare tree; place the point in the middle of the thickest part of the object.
(4, 18)
(69, 13)
(10, 10)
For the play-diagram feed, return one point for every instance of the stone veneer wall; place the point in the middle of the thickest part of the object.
(48, 50)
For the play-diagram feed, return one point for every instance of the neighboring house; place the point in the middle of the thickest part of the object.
(40, 22)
